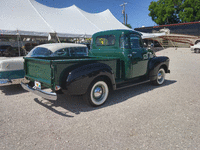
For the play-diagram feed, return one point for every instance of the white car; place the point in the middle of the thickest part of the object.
(13, 67)
(195, 48)
(59, 50)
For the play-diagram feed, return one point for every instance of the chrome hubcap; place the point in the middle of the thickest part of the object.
(98, 91)
(160, 76)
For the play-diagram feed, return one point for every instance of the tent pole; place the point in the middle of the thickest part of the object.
(159, 41)
(22, 46)
(58, 38)
(18, 43)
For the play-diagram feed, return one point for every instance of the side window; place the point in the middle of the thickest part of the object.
(123, 41)
(60, 52)
(72, 51)
(135, 41)
(105, 40)
(78, 51)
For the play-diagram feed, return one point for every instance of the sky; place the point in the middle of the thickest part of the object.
(137, 10)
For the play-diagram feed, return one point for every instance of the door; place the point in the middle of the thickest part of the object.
(139, 57)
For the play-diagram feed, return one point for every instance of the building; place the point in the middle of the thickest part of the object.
(178, 35)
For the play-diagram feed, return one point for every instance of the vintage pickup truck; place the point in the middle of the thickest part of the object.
(116, 60)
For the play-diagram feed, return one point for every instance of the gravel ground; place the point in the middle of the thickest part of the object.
(140, 117)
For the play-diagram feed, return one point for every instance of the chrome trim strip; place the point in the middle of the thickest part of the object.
(44, 94)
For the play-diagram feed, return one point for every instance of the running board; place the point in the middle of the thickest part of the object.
(130, 85)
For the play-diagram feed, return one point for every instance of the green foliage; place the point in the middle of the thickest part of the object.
(174, 11)
(129, 26)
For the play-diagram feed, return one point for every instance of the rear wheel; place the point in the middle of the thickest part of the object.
(160, 78)
(97, 93)
(197, 51)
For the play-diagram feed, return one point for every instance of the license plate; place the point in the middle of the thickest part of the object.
(37, 84)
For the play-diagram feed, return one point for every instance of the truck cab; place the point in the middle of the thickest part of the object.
(127, 46)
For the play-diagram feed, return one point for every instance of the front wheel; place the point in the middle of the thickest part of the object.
(160, 78)
(97, 93)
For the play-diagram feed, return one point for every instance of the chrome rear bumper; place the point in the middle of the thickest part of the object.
(41, 93)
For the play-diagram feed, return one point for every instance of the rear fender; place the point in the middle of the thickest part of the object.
(79, 79)
(154, 65)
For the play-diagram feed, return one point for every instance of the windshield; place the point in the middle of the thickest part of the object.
(39, 52)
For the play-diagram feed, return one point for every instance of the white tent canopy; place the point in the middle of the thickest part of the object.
(28, 17)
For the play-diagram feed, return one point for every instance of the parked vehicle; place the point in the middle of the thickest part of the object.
(195, 48)
(13, 68)
(116, 60)
(14, 52)
(59, 50)
(3, 48)
(30, 46)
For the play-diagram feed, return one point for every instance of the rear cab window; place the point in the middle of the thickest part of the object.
(105, 40)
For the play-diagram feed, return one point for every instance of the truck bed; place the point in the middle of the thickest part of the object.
(49, 70)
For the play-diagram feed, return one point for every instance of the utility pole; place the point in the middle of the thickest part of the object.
(123, 11)
(126, 19)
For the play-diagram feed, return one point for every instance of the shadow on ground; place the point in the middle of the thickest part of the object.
(76, 104)
(156, 49)
(12, 89)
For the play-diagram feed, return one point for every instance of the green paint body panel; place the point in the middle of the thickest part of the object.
(50, 71)
(15, 74)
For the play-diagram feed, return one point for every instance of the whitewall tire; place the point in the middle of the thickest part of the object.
(160, 77)
(97, 93)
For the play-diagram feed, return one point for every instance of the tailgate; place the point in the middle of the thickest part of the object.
(38, 70)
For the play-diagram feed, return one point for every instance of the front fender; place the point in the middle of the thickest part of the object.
(154, 65)
(80, 78)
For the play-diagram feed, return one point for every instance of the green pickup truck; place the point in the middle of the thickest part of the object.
(117, 59)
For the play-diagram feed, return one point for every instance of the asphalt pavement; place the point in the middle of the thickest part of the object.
(139, 117)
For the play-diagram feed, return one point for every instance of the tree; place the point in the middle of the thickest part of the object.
(129, 26)
(174, 11)
(190, 11)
